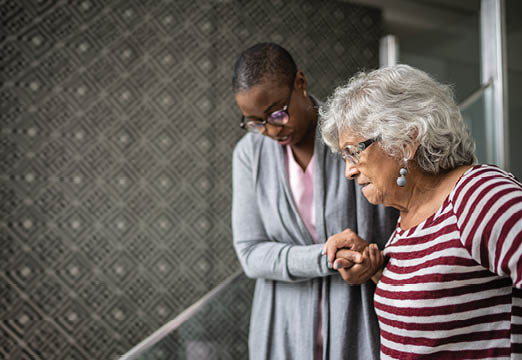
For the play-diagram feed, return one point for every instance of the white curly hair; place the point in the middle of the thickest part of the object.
(401, 105)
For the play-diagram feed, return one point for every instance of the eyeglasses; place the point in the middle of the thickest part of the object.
(277, 118)
(352, 153)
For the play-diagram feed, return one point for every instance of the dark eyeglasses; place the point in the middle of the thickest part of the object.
(277, 118)
(352, 153)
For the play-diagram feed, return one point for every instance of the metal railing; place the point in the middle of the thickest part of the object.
(207, 327)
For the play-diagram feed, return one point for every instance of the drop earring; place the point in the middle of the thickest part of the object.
(401, 180)
(305, 94)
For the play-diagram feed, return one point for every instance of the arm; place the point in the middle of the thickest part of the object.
(259, 256)
(489, 215)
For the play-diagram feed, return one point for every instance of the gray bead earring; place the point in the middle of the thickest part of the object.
(401, 180)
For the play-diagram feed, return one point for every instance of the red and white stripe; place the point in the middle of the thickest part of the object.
(451, 289)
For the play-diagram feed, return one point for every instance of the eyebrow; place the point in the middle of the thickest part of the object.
(267, 110)
(348, 143)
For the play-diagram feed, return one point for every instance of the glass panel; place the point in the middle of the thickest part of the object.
(440, 37)
(217, 329)
(475, 117)
(514, 82)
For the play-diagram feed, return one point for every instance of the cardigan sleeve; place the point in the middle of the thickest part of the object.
(260, 256)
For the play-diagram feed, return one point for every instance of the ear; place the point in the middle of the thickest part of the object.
(300, 81)
(410, 149)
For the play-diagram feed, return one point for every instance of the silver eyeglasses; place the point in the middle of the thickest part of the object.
(352, 153)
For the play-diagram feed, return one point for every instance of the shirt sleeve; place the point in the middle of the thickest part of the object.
(488, 207)
(260, 256)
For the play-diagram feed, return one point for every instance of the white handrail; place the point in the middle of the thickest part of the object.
(178, 320)
(475, 95)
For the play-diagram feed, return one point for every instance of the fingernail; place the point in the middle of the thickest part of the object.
(323, 252)
(337, 266)
(329, 266)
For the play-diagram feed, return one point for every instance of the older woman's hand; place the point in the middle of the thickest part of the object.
(355, 259)
(357, 268)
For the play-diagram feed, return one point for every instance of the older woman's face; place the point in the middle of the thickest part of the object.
(376, 172)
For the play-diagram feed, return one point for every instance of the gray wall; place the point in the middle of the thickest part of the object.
(118, 125)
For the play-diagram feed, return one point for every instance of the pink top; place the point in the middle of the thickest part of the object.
(302, 186)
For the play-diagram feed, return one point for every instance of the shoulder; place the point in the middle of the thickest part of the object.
(482, 177)
(484, 184)
(247, 145)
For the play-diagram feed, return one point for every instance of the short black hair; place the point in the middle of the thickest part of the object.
(262, 61)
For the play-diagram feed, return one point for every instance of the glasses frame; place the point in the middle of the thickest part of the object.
(263, 123)
(353, 153)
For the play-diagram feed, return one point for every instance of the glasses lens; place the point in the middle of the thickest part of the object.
(254, 126)
(278, 117)
(348, 154)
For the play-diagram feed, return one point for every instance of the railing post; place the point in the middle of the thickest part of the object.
(388, 51)
(494, 69)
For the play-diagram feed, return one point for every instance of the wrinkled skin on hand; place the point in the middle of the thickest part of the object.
(355, 259)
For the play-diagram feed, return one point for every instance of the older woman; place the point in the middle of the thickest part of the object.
(451, 286)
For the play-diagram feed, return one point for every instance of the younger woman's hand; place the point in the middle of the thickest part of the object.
(349, 240)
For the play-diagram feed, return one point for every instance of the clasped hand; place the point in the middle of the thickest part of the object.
(355, 259)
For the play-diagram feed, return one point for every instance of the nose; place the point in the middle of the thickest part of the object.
(271, 130)
(351, 170)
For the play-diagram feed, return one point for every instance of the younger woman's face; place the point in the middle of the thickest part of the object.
(259, 101)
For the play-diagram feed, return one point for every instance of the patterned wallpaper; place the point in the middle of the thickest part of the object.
(117, 129)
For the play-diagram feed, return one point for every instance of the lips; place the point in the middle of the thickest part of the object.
(364, 184)
(284, 140)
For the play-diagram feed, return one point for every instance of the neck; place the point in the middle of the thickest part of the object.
(426, 194)
(304, 151)
(423, 197)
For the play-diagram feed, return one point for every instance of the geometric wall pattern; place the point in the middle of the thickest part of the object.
(117, 129)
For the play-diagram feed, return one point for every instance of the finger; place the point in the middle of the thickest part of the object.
(354, 241)
(343, 239)
(342, 264)
(349, 255)
(365, 255)
(333, 244)
(371, 257)
(374, 254)
(330, 254)
(378, 255)
(352, 275)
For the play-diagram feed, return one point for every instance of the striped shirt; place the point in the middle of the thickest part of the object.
(451, 287)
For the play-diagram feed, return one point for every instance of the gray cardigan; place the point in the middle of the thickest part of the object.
(274, 247)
